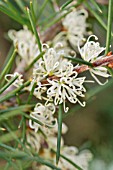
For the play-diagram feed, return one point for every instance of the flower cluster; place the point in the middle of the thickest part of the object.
(74, 30)
(46, 146)
(43, 114)
(90, 52)
(26, 45)
(56, 78)
(56, 82)
(62, 83)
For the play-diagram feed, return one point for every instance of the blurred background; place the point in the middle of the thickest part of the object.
(90, 127)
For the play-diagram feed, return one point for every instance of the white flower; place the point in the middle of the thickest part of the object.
(26, 43)
(90, 52)
(21, 35)
(67, 88)
(82, 159)
(18, 82)
(75, 26)
(53, 63)
(44, 114)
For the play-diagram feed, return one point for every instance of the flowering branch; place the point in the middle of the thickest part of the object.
(106, 61)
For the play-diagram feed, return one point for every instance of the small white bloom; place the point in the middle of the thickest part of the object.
(75, 26)
(44, 114)
(21, 35)
(18, 82)
(82, 159)
(90, 52)
(52, 64)
(67, 88)
(26, 43)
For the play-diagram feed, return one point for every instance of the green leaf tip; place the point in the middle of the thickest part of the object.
(59, 134)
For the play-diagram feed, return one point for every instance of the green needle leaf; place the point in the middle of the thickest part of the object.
(34, 61)
(7, 147)
(57, 19)
(21, 5)
(31, 92)
(59, 133)
(32, 12)
(34, 29)
(9, 64)
(17, 17)
(68, 160)
(15, 154)
(110, 71)
(24, 130)
(96, 5)
(80, 61)
(24, 108)
(79, 2)
(42, 8)
(8, 115)
(13, 93)
(15, 137)
(71, 162)
(96, 16)
(108, 39)
(66, 4)
(8, 56)
(11, 7)
(8, 84)
(42, 161)
(8, 137)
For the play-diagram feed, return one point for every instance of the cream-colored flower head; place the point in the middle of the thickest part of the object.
(25, 42)
(82, 159)
(53, 64)
(43, 114)
(67, 88)
(90, 52)
(75, 26)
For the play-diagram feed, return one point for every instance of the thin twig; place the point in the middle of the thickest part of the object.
(106, 61)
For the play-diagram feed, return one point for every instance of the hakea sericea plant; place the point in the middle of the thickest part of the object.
(55, 82)
(47, 146)
(56, 76)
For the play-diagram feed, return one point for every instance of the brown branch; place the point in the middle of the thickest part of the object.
(50, 33)
(103, 61)
(106, 61)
